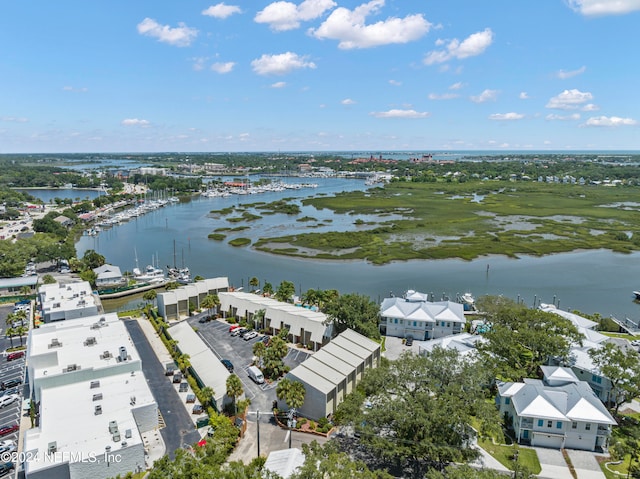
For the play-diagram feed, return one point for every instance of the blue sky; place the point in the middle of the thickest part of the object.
(319, 75)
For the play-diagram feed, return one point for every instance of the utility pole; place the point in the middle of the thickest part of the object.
(258, 426)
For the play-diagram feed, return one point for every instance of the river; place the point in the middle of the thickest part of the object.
(590, 281)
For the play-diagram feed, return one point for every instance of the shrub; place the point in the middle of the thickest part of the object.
(312, 425)
(322, 422)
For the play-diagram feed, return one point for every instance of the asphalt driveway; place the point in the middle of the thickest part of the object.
(585, 464)
(553, 464)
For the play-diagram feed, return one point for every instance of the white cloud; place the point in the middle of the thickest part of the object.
(569, 100)
(74, 89)
(604, 7)
(282, 16)
(610, 121)
(181, 36)
(280, 64)
(395, 82)
(222, 68)
(486, 95)
(348, 101)
(221, 10)
(590, 107)
(400, 114)
(13, 119)
(456, 86)
(471, 46)
(554, 116)
(350, 29)
(279, 84)
(135, 122)
(443, 96)
(523, 95)
(506, 116)
(563, 75)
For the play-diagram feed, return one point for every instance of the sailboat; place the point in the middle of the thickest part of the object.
(151, 273)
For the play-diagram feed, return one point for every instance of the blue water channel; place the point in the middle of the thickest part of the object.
(590, 281)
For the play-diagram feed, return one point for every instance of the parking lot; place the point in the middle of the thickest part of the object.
(240, 352)
(12, 378)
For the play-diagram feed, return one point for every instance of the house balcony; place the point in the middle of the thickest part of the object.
(526, 423)
(604, 431)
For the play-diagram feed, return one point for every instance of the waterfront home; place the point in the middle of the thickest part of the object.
(559, 411)
(465, 343)
(108, 275)
(413, 315)
(333, 372)
(305, 327)
(175, 304)
(67, 301)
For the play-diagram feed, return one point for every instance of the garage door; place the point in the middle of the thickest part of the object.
(580, 442)
(547, 440)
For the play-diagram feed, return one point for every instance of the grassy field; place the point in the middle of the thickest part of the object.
(504, 455)
(472, 219)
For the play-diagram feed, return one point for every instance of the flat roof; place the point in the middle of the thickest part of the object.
(68, 418)
(67, 297)
(205, 363)
(81, 342)
(18, 281)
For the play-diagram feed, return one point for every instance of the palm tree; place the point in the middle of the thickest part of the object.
(183, 363)
(254, 282)
(234, 389)
(207, 394)
(25, 291)
(292, 392)
(150, 295)
(20, 331)
(259, 349)
(267, 288)
(11, 332)
(210, 302)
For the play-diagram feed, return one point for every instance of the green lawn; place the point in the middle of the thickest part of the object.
(504, 455)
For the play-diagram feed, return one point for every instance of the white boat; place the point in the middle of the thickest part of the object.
(150, 273)
(467, 298)
(636, 295)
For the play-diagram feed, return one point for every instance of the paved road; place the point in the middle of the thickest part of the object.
(179, 430)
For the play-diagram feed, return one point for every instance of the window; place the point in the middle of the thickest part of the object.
(587, 426)
(395, 321)
(540, 422)
(574, 425)
(549, 423)
(415, 323)
(558, 425)
(507, 400)
(596, 379)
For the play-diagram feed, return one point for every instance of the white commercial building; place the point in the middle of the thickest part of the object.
(174, 304)
(305, 326)
(67, 301)
(93, 399)
(334, 371)
(413, 315)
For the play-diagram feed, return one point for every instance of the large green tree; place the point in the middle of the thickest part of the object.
(210, 302)
(622, 368)
(419, 409)
(234, 389)
(354, 311)
(285, 291)
(520, 339)
(291, 392)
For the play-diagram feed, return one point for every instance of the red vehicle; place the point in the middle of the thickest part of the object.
(233, 327)
(4, 430)
(16, 355)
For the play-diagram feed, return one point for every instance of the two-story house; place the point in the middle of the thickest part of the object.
(559, 411)
(413, 315)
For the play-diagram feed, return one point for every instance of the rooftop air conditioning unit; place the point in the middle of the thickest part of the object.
(116, 437)
(53, 447)
(97, 397)
(113, 427)
(127, 434)
(123, 353)
(98, 410)
(95, 384)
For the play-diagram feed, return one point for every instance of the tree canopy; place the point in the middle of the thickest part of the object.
(620, 367)
(354, 311)
(519, 339)
(419, 409)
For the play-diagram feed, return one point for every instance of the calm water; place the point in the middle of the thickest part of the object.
(590, 281)
(47, 195)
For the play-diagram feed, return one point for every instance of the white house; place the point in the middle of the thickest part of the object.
(413, 315)
(559, 411)
(108, 275)
(174, 304)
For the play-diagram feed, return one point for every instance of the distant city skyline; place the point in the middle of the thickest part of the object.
(319, 75)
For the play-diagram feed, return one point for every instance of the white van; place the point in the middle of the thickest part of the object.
(255, 374)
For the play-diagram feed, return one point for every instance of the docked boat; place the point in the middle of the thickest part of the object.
(636, 295)
(150, 274)
(181, 275)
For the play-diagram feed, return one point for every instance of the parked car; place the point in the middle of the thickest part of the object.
(233, 327)
(6, 430)
(184, 387)
(238, 331)
(7, 400)
(177, 377)
(10, 391)
(11, 383)
(265, 339)
(227, 364)
(7, 446)
(250, 335)
(6, 467)
(197, 409)
(255, 374)
(408, 341)
(15, 355)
